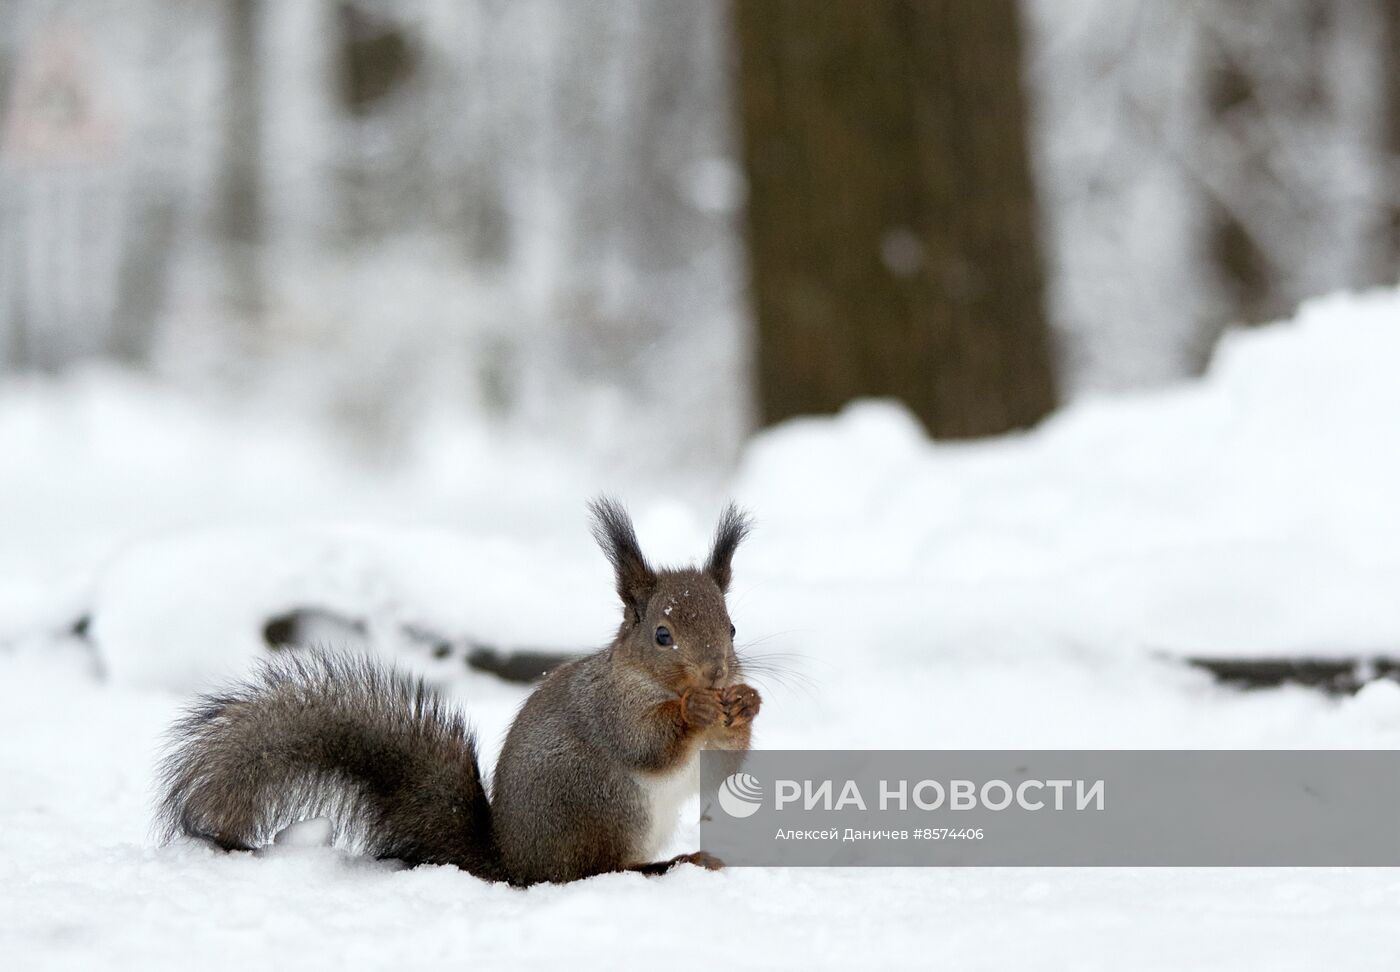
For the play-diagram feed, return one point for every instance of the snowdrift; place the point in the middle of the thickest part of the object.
(1250, 513)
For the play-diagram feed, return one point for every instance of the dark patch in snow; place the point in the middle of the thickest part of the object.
(525, 665)
(305, 627)
(1335, 676)
(319, 627)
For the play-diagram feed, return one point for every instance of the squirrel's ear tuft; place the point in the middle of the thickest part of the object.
(612, 528)
(733, 527)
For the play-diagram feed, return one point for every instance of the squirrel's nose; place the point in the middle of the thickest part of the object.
(715, 674)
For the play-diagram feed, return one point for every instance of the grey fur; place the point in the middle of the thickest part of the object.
(733, 527)
(314, 734)
(613, 530)
(395, 769)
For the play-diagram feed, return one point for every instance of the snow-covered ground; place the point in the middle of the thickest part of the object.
(1030, 592)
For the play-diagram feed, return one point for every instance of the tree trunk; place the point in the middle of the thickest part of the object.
(891, 217)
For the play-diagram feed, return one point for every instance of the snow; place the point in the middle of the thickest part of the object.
(1035, 591)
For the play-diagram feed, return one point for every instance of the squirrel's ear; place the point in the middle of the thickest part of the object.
(612, 528)
(733, 527)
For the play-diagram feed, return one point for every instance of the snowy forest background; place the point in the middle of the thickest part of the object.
(1051, 344)
(533, 213)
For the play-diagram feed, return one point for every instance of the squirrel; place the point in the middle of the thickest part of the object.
(590, 777)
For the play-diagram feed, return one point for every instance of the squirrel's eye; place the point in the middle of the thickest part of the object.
(663, 636)
(731, 632)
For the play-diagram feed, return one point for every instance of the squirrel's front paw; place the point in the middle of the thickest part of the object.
(701, 708)
(740, 703)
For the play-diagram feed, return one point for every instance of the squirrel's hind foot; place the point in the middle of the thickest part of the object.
(699, 858)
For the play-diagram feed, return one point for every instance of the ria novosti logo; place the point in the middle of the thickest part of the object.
(740, 795)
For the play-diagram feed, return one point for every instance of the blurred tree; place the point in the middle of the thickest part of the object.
(1206, 164)
(63, 146)
(377, 56)
(383, 171)
(1241, 265)
(1290, 153)
(241, 210)
(1268, 94)
(892, 221)
(1388, 256)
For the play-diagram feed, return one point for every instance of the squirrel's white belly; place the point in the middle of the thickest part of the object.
(664, 794)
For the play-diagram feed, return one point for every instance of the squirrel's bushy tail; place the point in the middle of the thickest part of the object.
(317, 734)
